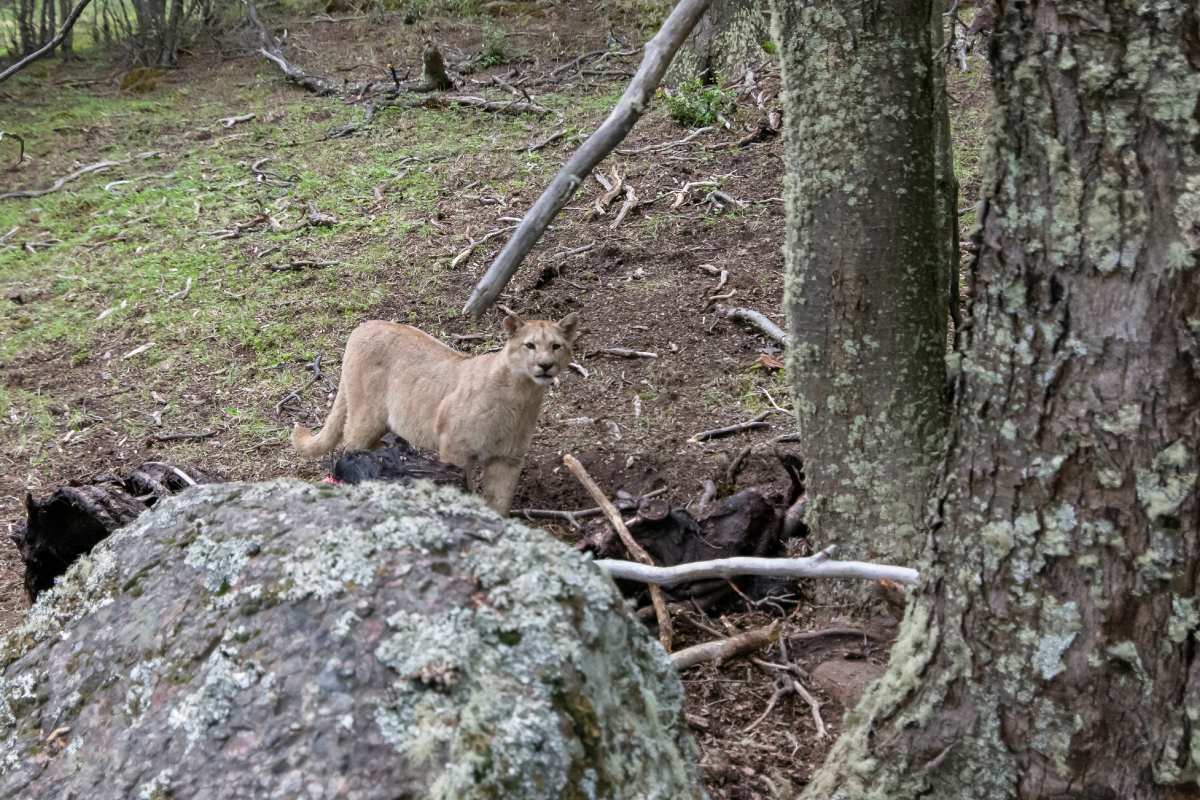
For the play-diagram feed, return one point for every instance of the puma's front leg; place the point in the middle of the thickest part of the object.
(500, 475)
(458, 456)
(469, 471)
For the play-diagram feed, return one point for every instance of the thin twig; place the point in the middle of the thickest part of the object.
(174, 437)
(572, 516)
(621, 352)
(58, 184)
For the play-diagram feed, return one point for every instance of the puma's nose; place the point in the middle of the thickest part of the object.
(546, 365)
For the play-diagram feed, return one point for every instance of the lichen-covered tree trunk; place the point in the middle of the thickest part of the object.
(1051, 648)
(726, 42)
(868, 264)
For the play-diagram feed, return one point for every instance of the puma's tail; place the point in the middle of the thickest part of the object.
(311, 446)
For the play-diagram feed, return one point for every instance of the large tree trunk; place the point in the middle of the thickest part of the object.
(1051, 649)
(868, 260)
(726, 42)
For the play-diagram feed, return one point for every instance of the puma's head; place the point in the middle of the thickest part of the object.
(539, 349)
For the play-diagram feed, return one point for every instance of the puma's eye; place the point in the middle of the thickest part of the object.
(555, 346)
(531, 345)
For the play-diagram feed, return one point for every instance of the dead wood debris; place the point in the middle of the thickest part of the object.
(757, 422)
(318, 375)
(99, 166)
(665, 629)
(612, 190)
(724, 649)
(758, 320)
(633, 103)
(299, 265)
(179, 437)
(816, 566)
(621, 352)
(549, 140)
(631, 202)
(572, 517)
(19, 139)
(229, 122)
(475, 244)
(652, 148)
(788, 677)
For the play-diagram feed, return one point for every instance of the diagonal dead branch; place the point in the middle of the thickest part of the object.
(634, 102)
(665, 629)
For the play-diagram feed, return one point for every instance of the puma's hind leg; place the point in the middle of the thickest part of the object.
(500, 476)
(363, 432)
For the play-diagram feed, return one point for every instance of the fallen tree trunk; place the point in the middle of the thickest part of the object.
(659, 52)
(818, 566)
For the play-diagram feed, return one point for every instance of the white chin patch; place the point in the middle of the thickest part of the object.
(543, 380)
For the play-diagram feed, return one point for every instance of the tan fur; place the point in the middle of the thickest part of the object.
(479, 410)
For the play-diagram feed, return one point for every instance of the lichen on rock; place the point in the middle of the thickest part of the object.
(374, 641)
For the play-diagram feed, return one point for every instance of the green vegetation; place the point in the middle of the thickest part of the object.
(697, 104)
(493, 45)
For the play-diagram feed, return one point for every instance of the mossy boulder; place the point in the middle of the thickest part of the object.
(285, 640)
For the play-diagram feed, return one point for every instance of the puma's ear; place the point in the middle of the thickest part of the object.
(568, 324)
(512, 324)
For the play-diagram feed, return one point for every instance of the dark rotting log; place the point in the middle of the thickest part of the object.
(67, 524)
(73, 519)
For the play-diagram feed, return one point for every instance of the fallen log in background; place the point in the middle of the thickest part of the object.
(818, 566)
(634, 102)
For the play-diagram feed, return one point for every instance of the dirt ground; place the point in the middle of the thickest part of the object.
(77, 400)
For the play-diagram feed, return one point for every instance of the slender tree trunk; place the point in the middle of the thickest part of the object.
(868, 267)
(174, 24)
(25, 26)
(68, 44)
(1051, 650)
(726, 42)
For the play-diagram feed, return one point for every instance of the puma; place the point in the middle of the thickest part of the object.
(479, 410)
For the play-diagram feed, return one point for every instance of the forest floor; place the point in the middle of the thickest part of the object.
(126, 316)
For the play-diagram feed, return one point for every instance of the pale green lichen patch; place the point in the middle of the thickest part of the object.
(490, 689)
(1170, 479)
(224, 677)
(221, 560)
(1060, 625)
(1185, 619)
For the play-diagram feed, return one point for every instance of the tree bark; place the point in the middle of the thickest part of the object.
(867, 266)
(726, 42)
(68, 42)
(1050, 649)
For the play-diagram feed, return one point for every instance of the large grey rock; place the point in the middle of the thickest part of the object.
(285, 640)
